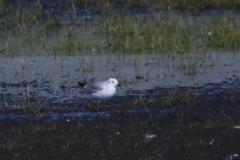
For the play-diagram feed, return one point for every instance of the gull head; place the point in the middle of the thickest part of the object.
(112, 82)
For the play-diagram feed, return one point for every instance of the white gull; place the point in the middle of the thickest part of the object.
(101, 90)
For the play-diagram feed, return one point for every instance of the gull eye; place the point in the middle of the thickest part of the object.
(112, 82)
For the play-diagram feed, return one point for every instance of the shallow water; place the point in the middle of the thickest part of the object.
(52, 82)
(136, 72)
(54, 79)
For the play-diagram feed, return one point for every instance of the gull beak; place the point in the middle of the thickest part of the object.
(119, 85)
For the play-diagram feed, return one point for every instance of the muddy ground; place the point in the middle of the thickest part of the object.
(116, 129)
(43, 116)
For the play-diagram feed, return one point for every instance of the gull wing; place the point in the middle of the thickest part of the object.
(95, 87)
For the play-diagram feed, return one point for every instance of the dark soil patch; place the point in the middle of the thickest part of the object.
(183, 133)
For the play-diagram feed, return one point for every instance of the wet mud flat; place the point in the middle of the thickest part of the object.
(185, 123)
(171, 106)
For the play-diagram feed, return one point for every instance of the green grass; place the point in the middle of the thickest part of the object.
(185, 132)
(30, 105)
(26, 29)
(171, 97)
(169, 32)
